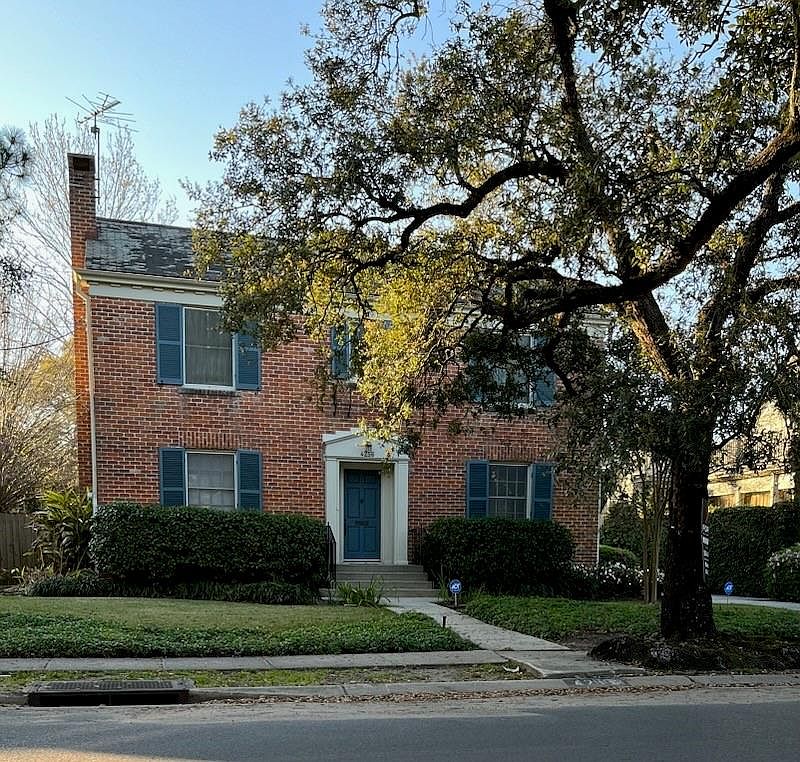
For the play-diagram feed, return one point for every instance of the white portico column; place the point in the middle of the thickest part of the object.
(401, 510)
(332, 508)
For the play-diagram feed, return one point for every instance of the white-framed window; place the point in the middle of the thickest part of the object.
(508, 490)
(211, 479)
(193, 351)
(208, 350)
(527, 392)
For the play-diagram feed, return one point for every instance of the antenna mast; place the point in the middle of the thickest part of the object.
(99, 111)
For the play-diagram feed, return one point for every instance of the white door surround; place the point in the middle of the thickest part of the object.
(349, 449)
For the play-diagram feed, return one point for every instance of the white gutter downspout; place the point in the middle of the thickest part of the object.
(90, 361)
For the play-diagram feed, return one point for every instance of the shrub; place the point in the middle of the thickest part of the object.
(742, 539)
(783, 574)
(87, 583)
(610, 554)
(62, 528)
(616, 580)
(606, 581)
(623, 528)
(151, 545)
(496, 554)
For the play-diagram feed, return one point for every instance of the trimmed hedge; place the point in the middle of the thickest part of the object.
(86, 583)
(612, 555)
(623, 528)
(742, 539)
(498, 555)
(783, 574)
(143, 546)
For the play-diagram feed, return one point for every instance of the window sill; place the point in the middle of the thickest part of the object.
(210, 392)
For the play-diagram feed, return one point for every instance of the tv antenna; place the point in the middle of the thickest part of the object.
(101, 111)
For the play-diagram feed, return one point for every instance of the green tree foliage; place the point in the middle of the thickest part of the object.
(543, 160)
(15, 161)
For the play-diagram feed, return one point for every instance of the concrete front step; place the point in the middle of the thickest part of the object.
(396, 581)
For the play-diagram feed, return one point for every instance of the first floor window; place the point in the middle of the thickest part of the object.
(509, 490)
(210, 479)
(224, 480)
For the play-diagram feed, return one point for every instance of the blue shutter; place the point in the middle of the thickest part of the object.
(248, 362)
(477, 488)
(171, 472)
(545, 389)
(249, 464)
(340, 352)
(169, 343)
(542, 491)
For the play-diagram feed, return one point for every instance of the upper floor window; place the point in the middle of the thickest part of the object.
(519, 382)
(344, 341)
(208, 350)
(192, 350)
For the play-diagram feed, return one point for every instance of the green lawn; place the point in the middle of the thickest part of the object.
(557, 618)
(75, 627)
(16, 681)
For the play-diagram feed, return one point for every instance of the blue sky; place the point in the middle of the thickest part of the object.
(183, 68)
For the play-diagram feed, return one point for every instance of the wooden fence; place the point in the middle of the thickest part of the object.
(15, 539)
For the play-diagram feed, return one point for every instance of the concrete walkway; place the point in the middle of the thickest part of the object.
(736, 599)
(543, 657)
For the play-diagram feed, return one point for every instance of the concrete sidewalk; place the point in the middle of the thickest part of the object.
(542, 657)
(737, 599)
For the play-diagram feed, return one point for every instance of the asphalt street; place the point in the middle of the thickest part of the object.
(699, 724)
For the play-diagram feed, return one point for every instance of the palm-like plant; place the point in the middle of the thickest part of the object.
(62, 530)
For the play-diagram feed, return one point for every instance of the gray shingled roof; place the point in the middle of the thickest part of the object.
(143, 248)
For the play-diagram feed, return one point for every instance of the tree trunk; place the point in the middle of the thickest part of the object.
(686, 605)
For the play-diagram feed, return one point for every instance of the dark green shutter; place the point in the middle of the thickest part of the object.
(172, 476)
(248, 362)
(249, 464)
(169, 343)
(542, 490)
(340, 352)
(477, 493)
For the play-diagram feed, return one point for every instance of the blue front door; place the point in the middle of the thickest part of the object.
(362, 514)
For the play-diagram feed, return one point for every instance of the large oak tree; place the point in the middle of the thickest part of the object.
(542, 160)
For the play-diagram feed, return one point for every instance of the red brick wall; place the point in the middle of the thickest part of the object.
(135, 416)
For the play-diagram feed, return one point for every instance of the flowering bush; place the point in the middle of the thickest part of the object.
(783, 574)
(604, 581)
(616, 580)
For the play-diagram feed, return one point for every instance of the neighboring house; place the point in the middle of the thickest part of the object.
(170, 410)
(730, 484)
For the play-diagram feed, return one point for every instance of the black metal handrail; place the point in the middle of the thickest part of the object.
(330, 554)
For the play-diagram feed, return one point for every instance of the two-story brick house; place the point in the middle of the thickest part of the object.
(171, 410)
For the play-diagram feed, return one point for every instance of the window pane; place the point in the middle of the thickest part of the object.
(209, 351)
(508, 491)
(211, 481)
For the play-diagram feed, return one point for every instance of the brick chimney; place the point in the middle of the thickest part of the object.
(82, 205)
(82, 226)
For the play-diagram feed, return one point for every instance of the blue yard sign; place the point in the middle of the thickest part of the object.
(454, 586)
(728, 588)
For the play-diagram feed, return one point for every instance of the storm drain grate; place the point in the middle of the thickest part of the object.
(90, 692)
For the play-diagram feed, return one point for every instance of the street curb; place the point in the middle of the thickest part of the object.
(571, 685)
(506, 687)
